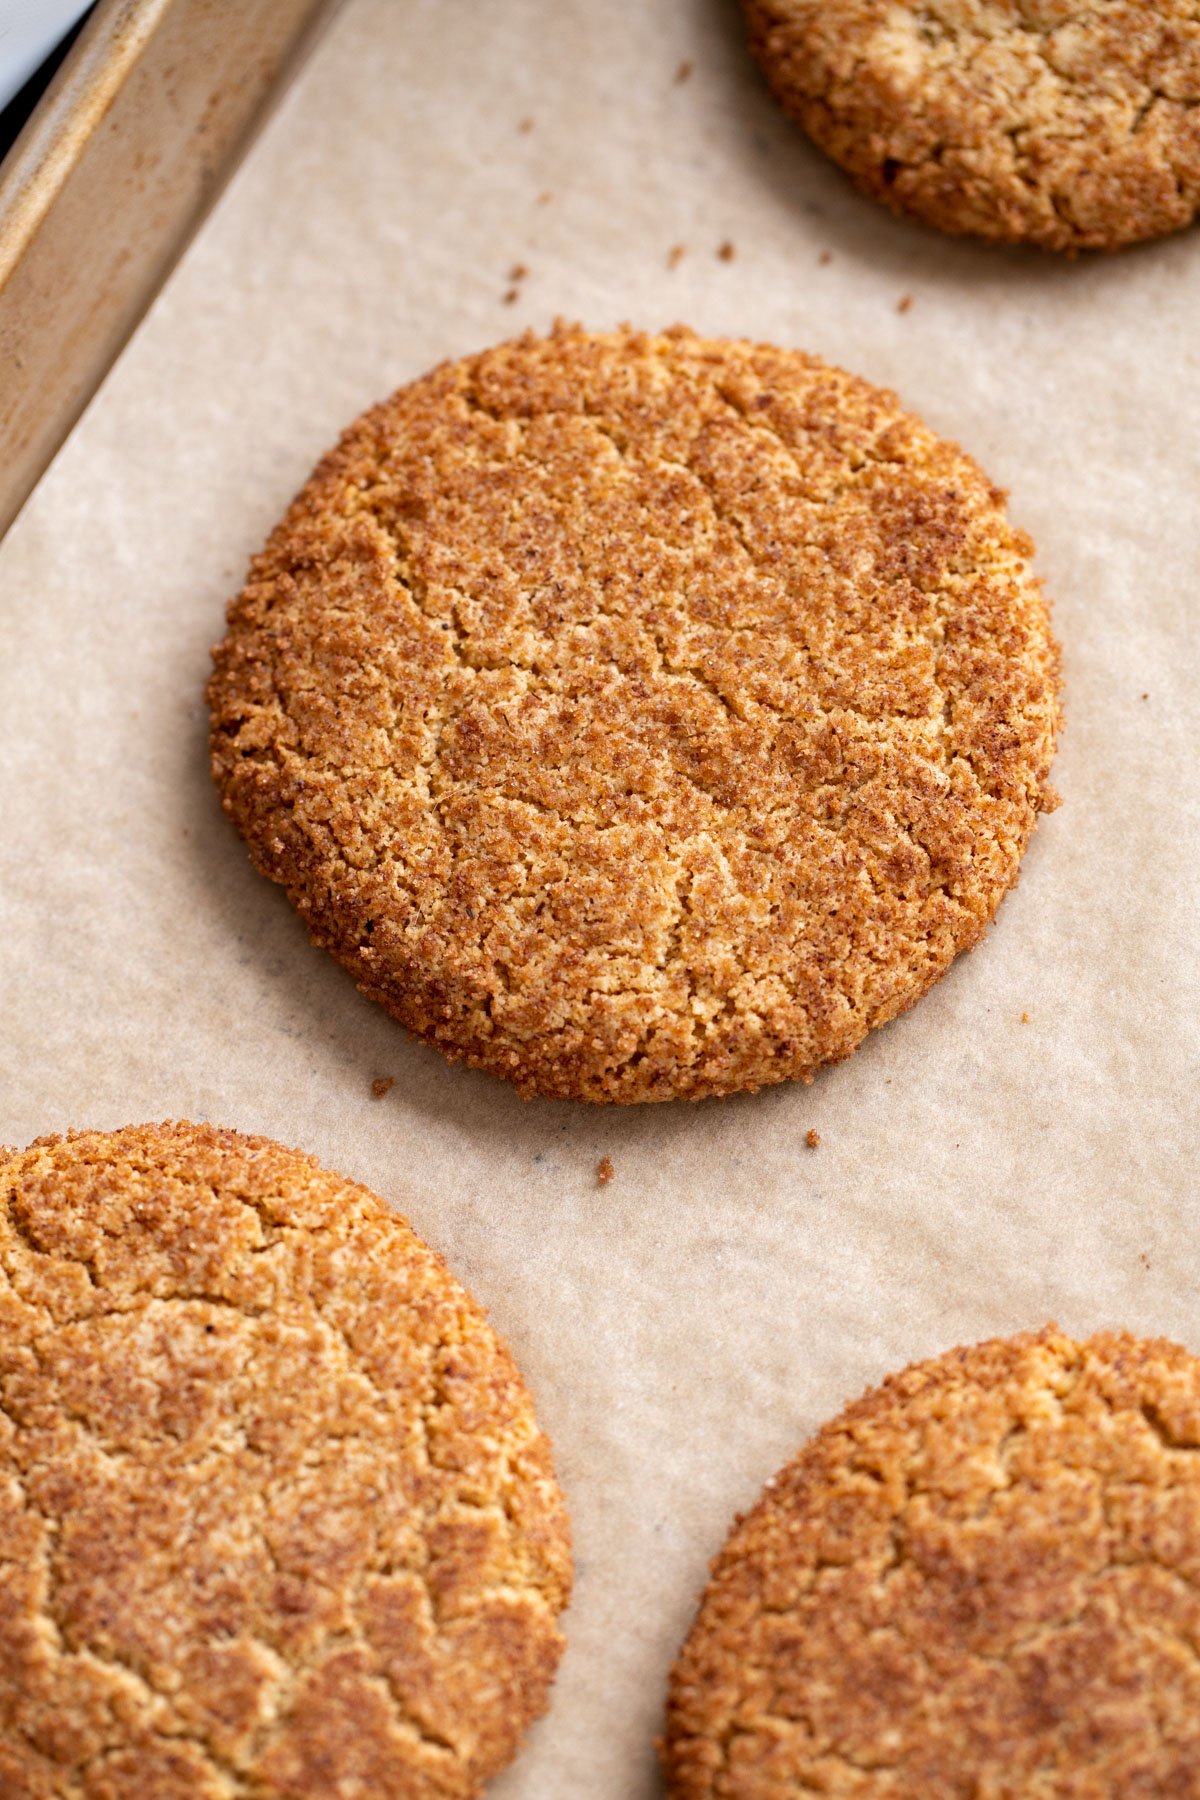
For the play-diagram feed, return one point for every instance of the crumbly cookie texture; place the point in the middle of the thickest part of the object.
(640, 716)
(1036, 121)
(275, 1515)
(982, 1579)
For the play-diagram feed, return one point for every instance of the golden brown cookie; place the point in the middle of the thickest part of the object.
(640, 716)
(275, 1515)
(1030, 121)
(981, 1582)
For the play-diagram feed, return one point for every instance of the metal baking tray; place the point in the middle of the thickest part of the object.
(122, 158)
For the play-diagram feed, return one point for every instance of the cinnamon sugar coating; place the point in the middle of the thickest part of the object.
(640, 716)
(1029, 121)
(275, 1515)
(982, 1579)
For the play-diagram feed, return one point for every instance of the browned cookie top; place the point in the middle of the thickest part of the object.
(640, 716)
(275, 1515)
(981, 1582)
(1038, 121)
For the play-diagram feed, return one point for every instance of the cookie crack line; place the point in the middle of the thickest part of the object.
(553, 620)
(435, 1398)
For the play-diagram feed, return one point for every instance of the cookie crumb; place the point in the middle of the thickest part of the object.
(825, 258)
(525, 127)
(1144, 1260)
(727, 251)
(812, 1138)
(518, 272)
(510, 296)
(382, 1085)
(903, 303)
(1145, 696)
(675, 255)
(604, 1171)
(1024, 1018)
(684, 72)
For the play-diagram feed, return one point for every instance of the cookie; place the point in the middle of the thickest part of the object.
(275, 1515)
(982, 1579)
(1027, 121)
(640, 716)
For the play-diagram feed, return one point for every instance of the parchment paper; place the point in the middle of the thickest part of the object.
(685, 1327)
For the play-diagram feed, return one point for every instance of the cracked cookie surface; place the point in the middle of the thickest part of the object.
(1037, 121)
(640, 716)
(275, 1515)
(982, 1579)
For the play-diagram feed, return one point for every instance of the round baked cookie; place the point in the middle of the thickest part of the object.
(639, 716)
(1029, 121)
(275, 1515)
(982, 1580)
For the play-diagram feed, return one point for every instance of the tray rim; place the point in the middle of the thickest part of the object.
(57, 356)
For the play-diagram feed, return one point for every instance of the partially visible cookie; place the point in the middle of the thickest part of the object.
(1029, 121)
(640, 717)
(982, 1579)
(275, 1515)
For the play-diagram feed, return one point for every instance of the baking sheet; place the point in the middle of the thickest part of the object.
(1020, 1146)
(114, 170)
